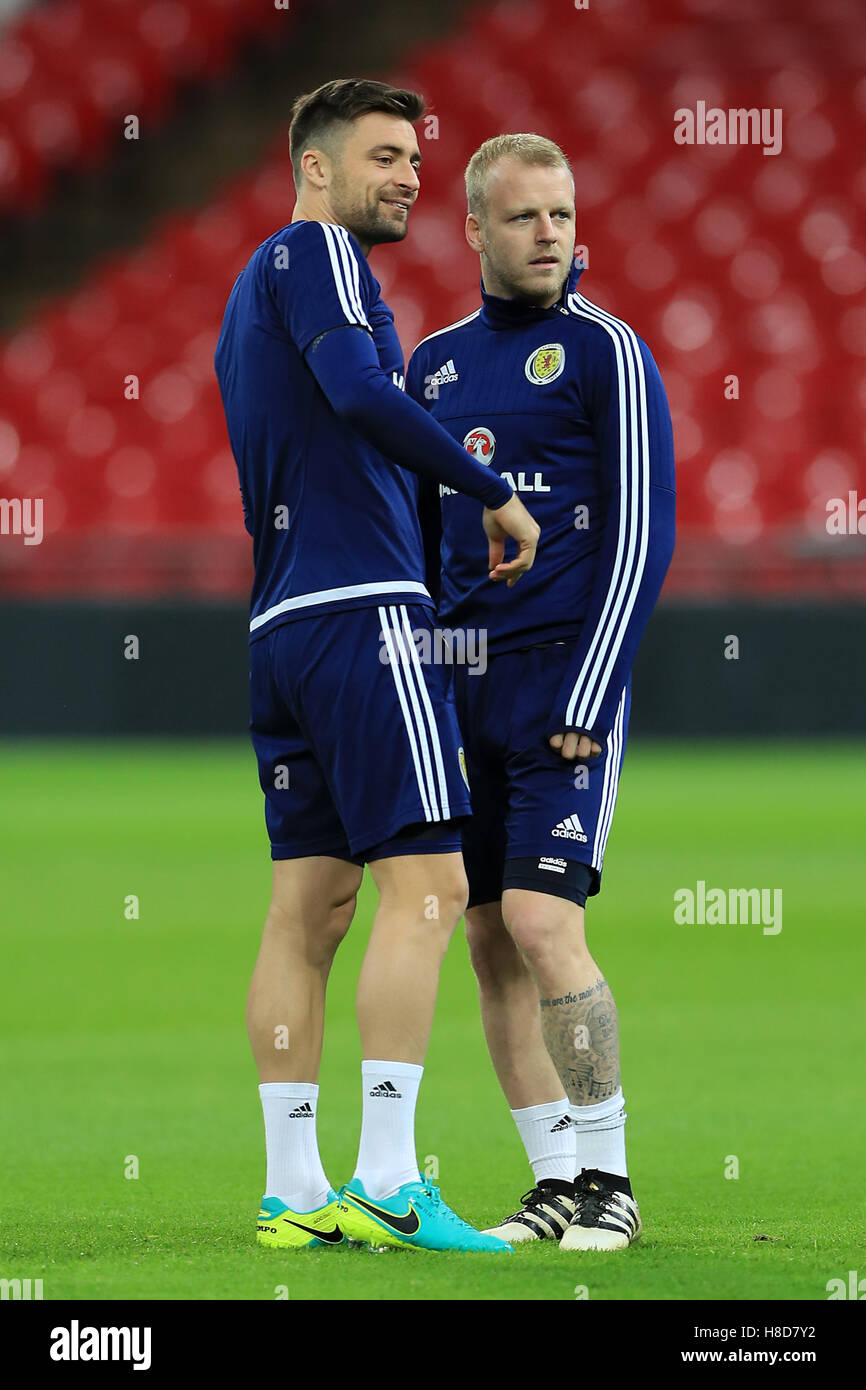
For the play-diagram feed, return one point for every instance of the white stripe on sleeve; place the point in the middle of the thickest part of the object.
(349, 255)
(589, 687)
(352, 315)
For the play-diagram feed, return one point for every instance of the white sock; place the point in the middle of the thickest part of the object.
(599, 1131)
(295, 1172)
(386, 1156)
(548, 1142)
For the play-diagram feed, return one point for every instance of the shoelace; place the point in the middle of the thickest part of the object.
(431, 1191)
(594, 1203)
(528, 1202)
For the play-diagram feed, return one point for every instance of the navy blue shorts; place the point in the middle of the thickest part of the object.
(356, 738)
(527, 801)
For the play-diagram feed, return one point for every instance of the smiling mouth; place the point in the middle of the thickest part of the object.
(397, 203)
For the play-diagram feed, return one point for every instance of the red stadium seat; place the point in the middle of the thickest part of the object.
(69, 72)
(732, 264)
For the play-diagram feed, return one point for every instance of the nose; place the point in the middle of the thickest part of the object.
(546, 230)
(408, 178)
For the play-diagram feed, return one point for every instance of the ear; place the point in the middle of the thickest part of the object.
(473, 232)
(316, 168)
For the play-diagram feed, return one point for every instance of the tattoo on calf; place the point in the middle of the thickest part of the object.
(581, 1033)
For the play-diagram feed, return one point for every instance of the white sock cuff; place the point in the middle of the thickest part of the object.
(289, 1090)
(548, 1111)
(408, 1069)
(604, 1110)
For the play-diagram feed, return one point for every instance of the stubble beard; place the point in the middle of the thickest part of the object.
(530, 298)
(368, 223)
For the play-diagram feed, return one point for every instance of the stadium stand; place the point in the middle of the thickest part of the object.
(731, 263)
(72, 70)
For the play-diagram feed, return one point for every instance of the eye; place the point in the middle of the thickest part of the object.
(384, 159)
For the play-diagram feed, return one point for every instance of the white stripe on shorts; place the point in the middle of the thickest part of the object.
(404, 681)
(431, 718)
(613, 766)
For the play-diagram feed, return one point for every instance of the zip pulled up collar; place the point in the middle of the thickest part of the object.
(514, 313)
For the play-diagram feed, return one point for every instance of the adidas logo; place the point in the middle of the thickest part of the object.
(555, 866)
(564, 1123)
(303, 1112)
(570, 829)
(386, 1091)
(447, 372)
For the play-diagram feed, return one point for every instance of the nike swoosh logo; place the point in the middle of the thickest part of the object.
(406, 1225)
(329, 1237)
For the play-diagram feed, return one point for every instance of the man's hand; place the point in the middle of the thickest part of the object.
(575, 747)
(511, 520)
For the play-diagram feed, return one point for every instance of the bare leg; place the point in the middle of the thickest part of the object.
(509, 1011)
(311, 908)
(421, 900)
(578, 1014)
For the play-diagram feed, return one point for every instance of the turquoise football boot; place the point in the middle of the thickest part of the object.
(416, 1218)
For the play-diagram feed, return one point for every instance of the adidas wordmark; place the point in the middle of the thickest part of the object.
(570, 829)
(446, 373)
(387, 1091)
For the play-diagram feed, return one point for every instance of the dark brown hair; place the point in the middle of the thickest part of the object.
(316, 115)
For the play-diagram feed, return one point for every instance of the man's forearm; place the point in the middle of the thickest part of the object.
(345, 365)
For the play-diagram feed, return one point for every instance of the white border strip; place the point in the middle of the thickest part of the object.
(589, 687)
(338, 252)
(431, 718)
(395, 664)
(385, 586)
(610, 785)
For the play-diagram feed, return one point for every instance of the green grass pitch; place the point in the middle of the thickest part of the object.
(125, 1038)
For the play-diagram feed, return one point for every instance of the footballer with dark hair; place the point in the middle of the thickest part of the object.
(358, 749)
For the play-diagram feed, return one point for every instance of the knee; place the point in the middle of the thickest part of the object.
(456, 896)
(337, 923)
(444, 905)
(491, 951)
(425, 897)
(542, 937)
(315, 936)
(447, 904)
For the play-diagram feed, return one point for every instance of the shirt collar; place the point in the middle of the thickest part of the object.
(513, 313)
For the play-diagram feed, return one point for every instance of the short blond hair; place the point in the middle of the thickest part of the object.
(526, 148)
